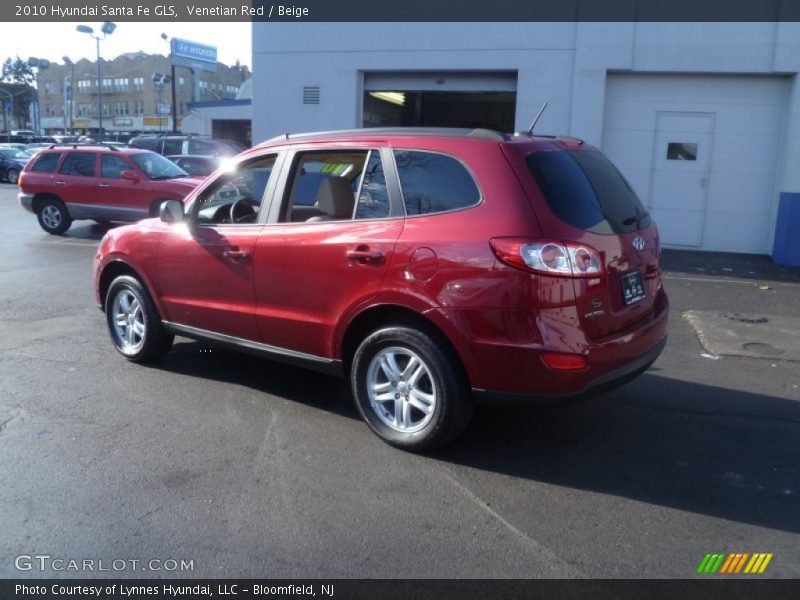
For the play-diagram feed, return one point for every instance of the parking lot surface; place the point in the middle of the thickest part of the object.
(254, 469)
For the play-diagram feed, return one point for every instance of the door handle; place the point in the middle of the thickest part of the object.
(362, 255)
(235, 254)
(103, 185)
(59, 182)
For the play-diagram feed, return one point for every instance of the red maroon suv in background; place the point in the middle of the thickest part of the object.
(430, 267)
(103, 182)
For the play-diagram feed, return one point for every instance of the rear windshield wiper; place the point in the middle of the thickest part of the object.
(636, 218)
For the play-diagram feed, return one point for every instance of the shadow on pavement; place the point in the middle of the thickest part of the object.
(698, 448)
(88, 230)
(709, 450)
(727, 264)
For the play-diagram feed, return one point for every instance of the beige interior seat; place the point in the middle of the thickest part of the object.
(335, 198)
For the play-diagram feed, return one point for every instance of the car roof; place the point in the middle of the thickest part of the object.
(477, 135)
(121, 148)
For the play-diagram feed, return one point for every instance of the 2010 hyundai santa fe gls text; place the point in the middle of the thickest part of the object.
(431, 267)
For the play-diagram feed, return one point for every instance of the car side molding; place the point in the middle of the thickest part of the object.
(320, 364)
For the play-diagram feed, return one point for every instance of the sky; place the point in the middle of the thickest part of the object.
(55, 40)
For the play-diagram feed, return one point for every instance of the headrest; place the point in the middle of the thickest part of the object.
(335, 197)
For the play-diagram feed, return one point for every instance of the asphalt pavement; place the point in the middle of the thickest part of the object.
(248, 468)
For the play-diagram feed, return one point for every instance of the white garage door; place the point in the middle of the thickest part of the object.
(702, 153)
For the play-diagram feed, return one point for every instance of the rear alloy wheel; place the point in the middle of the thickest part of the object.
(12, 176)
(134, 323)
(53, 216)
(410, 390)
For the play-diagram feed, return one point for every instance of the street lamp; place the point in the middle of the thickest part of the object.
(69, 95)
(38, 64)
(107, 29)
(159, 81)
(165, 37)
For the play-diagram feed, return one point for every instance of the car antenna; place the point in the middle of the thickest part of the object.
(536, 120)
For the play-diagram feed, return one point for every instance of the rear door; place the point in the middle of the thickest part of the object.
(579, 196)
(327, 246)
(76, 183)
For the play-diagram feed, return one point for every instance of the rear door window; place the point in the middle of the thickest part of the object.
(81, 164)
(46, 163)
(584, 189)
(434, 183)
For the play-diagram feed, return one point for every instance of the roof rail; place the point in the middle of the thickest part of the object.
(565, 138)
(479, 133)
(109, 145)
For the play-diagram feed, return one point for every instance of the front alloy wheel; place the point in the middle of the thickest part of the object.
(128, 322)
(133, 321)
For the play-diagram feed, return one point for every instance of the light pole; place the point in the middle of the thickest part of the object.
(69, 95)
(38, 64)
(107, 29)
(172, 74)
(159, 81)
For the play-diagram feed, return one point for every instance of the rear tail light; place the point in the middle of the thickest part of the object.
(549, 257)
(21, 179)
(564, 362)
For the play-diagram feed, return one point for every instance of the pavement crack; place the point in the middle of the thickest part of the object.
(550, 556)
(701, 413)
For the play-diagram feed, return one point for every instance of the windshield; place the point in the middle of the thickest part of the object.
(11, 153)
(586, 191)
(157, 167)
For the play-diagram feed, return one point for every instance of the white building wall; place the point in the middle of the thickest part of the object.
(564, 63)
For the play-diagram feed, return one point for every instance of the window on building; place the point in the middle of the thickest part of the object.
(107, 84)
(48, 88)
(121, 84)
(138, 108)
(121, 109)
(138, 84)
(181, 81)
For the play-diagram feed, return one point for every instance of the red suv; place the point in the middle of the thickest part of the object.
(104, 183)
(430, 267)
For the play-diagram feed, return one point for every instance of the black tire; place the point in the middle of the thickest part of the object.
(154, 341)
(12, 176)
(444, 377)
(53, 216)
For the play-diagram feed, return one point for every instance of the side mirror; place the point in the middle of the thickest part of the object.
(171, 211)
(129, 175)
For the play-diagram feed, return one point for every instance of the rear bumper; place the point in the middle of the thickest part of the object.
(26, 201)
(599, 385)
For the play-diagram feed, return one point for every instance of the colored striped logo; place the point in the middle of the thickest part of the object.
(734, 563)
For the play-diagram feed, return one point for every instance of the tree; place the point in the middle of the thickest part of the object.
(17, 71)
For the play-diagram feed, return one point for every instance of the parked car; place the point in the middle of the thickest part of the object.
(434, 267)
(174, 145)
(15, 146)
(12, 162)
(104, 183)
(197, 166)
(37, 147)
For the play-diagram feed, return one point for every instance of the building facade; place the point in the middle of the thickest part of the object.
(130, 99)
(702, 118)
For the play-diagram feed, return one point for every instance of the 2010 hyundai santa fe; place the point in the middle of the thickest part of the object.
(430, 267)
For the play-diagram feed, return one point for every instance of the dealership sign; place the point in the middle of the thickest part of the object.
(193, 55)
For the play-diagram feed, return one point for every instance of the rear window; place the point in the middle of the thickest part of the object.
(586, 191)
(434, 183)
(46, 163)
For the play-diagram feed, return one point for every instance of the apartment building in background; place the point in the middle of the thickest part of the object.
(130, 99)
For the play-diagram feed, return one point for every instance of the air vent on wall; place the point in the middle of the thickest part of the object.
(311, 94)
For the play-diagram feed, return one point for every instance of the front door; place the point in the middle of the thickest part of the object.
(119, 198)
(205, 264)
(681, 160)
